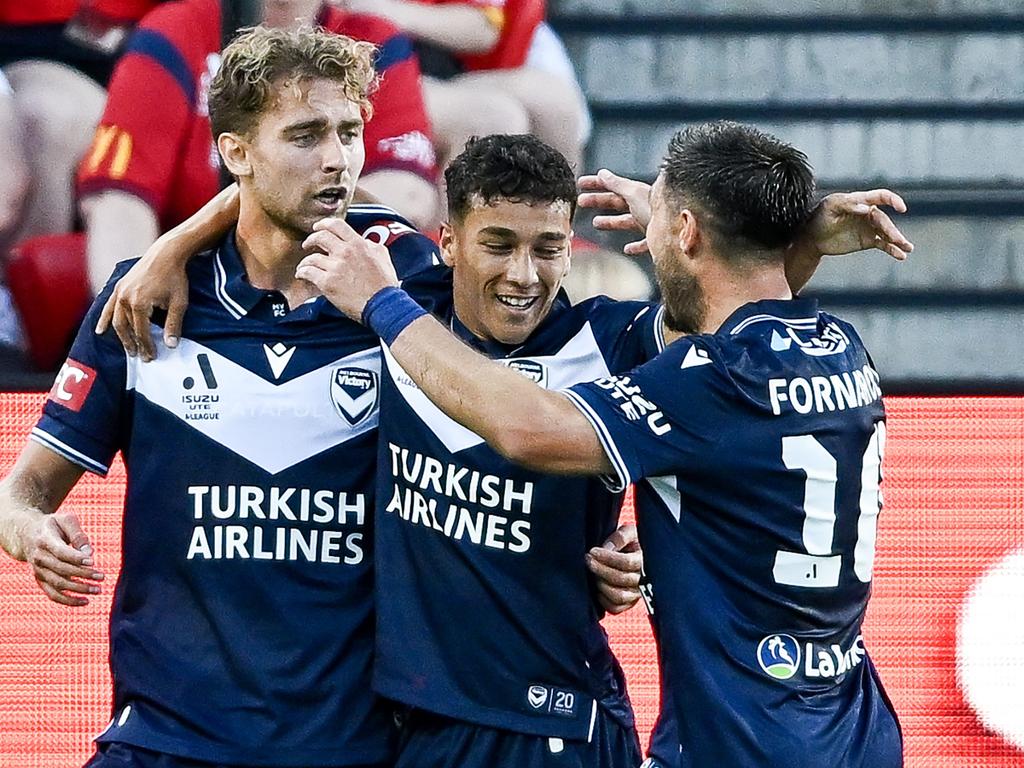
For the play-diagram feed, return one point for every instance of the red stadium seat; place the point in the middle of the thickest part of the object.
(49, 283)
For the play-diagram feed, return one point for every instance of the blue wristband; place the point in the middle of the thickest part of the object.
(389, 311)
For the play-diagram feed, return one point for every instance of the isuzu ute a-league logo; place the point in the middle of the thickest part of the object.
(354, 392)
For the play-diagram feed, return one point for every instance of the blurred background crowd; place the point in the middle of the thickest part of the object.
(105, 140)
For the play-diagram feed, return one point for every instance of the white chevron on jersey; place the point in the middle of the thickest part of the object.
(275, 426)
(578, 361)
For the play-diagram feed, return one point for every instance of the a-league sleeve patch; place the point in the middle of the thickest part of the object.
(72, 385)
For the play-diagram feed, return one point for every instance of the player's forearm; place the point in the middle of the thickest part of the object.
(802, 260)
(523, 422)
(203, 229)
(118, 226)
(22, 505)
(457, 28)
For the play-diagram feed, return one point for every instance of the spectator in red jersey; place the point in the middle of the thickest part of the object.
(513, 73)
(56, 57)
(153, 161)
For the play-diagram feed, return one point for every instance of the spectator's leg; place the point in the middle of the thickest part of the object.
(551, 102)
(59, 108)
(460, 109)
(14, 176)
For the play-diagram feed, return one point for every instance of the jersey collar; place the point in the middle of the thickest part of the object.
(231, 284)
(241, 299)
(791, 312)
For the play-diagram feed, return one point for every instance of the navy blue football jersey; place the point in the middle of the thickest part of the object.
(487, 611)
(663, 749)
(757, 452)
(242, 621)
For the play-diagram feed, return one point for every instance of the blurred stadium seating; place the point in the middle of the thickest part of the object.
(923, 97)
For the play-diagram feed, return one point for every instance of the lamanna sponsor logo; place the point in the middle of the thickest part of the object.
(782, 657)
(779, 656)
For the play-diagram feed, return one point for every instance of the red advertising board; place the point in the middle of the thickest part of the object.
(954, 493)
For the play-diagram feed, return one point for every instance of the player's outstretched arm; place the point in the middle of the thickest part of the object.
(158, 279)
(846, 222)
(31, 529)
(523, 422)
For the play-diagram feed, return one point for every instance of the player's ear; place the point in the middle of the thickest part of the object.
(234, 152)
(447, 243)
(689, 232)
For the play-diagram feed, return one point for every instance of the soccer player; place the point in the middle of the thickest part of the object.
(486, 623)
(242, 623)
(755, 442)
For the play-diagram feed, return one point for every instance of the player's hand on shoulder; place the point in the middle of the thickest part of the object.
(344, 266)
(611, 192)
(157, 280)
(617, 565)
(846, 222)
(60, 556)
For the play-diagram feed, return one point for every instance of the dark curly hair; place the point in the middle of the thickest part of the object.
(755, 190)
(519, 168)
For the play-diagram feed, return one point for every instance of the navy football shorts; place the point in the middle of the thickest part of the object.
(114, 754)
(431, 741)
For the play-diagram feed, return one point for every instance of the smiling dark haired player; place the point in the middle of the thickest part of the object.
(487, 625)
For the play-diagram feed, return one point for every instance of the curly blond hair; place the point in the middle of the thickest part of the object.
(259, 57)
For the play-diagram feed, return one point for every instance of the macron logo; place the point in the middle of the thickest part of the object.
(278, 357)
(694, 357)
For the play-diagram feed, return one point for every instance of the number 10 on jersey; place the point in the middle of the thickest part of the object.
(818, 567)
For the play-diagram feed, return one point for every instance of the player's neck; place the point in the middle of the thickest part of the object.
(270, 255)
(731, 289)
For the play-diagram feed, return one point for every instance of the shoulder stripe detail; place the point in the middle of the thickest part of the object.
(593, 721)
(153, 45)
(69, 453)
(220, 278)
(802, 322)
(659, 329)
(621, 480)
(393, 51)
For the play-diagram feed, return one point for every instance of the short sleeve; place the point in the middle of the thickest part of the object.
(659, 418)
(83, 416)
